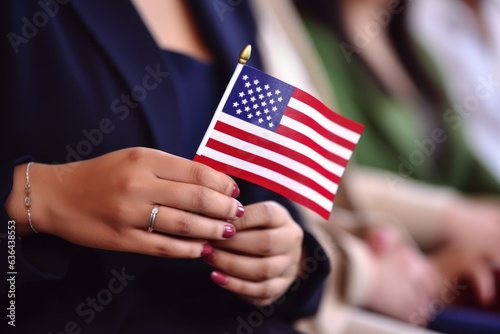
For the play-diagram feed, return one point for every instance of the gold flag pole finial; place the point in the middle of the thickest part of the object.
(245, 54)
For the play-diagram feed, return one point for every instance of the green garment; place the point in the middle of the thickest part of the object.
(396, 137)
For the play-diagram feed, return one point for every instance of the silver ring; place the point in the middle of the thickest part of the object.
(153, 217)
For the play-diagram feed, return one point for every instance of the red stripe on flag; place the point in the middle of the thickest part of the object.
(325, 111)
(299, 137)
(269, 164)
(264, 182)
(275, 147)
(308, 121)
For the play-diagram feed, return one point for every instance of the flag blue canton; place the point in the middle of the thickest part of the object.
(258, 98)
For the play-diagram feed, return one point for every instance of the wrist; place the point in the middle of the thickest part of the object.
(16, 203)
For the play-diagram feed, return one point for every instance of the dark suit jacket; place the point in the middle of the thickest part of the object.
(75, 76)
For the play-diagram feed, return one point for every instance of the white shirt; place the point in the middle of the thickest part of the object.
(449, 31)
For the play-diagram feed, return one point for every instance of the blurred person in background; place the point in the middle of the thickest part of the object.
(374, 263)
(463, 39)
(415, 165)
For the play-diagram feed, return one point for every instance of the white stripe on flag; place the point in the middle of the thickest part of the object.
(276, 157)
(291, 184)
(338, 129)
(327, 144)
(284, 141)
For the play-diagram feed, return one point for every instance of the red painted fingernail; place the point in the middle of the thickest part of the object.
(210, 258)
(236, 191)
(229, 231)
(219, 278)
(240, 210)
(207, 250)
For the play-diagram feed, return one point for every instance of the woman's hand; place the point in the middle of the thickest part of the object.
(263, 259)
(106, 202)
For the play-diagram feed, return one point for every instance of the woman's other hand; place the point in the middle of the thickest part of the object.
(263, 259)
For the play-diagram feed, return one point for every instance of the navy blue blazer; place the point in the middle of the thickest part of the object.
(84, 78)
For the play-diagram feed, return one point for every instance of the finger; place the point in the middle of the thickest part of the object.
(255, 269)
(153, 244)
(484, 282)
(170, 167)
(194, 198)
(260, 243)
(267, 290)
(264, 214)
(187, 224)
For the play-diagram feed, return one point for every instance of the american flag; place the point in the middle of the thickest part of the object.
(275, 135)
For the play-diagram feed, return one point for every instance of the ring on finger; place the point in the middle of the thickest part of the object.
(152, 218)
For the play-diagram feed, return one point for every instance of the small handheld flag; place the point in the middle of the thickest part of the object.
(277, 136)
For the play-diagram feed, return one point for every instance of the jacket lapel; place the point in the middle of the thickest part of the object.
(135, 54)
(227, 29)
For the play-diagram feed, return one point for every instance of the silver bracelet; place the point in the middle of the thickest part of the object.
(27, 199)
